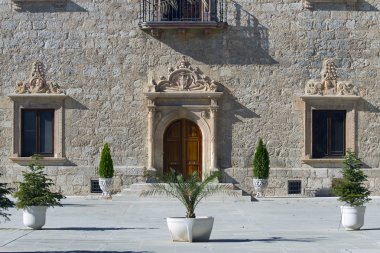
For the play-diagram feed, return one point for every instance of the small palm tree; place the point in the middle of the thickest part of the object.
(188, 191)
(5, 203)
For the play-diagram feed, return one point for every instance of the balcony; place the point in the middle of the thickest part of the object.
(157, 15)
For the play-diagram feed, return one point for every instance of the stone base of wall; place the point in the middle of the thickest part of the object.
(314, 181)
(77, 180)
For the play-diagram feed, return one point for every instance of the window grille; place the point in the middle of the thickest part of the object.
(95, 188)
(294, 187)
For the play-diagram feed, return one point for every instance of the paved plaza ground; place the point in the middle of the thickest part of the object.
(307, 225)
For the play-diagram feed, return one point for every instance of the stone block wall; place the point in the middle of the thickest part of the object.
(262, 60)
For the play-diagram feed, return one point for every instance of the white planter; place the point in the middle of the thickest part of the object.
(260, 185)
(352, 217)
(190, 229)
(105, 185)
(34, 216)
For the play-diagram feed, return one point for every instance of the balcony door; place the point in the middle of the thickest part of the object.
(183, 148)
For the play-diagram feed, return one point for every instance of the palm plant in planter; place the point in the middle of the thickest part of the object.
(351, 190)
(189, 192)
(5, 203)
(34, 195)
(260, 168)
(106, 172)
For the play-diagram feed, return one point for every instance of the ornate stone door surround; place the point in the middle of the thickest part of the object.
(185, 93)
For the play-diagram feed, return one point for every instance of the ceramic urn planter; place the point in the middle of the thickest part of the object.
(260, 185)
(105, 185)
(34, 216)
(190, 229)
(352, 217)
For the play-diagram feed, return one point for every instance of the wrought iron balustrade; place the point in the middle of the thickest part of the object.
(181, 13)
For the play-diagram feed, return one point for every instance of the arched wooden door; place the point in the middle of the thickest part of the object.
(183, 148)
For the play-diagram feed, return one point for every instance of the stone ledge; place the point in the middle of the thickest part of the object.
(46, 161)
(309, 4)
(58, 4)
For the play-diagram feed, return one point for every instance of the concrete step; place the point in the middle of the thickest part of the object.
(133, 194)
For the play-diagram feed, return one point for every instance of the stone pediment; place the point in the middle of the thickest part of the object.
(183, 78)
(37, 82)
(329, 84)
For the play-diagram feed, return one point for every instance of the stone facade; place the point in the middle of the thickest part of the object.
(262, 63)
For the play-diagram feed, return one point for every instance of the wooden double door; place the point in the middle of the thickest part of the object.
(183, 148)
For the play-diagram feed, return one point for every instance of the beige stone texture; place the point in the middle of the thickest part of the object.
(261, 62)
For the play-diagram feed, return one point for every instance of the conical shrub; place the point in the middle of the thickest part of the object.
(106, 163)
(261, 161)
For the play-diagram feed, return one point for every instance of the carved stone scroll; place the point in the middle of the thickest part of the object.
(183, 78)
(37, 82)
(329, 85)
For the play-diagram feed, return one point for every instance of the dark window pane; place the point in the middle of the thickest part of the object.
(328, 133)
(28, 136)
(46, 132)
(337, 132)
(320, 127)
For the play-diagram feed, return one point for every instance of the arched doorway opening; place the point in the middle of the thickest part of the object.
(183, 148)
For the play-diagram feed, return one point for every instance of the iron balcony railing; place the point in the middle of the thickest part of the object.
(182, 11)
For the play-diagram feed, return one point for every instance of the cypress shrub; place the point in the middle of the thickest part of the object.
(350, 189)
(261, 161)
(106, 163)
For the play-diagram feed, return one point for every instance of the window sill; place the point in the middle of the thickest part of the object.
(46, 161)
(324, 162)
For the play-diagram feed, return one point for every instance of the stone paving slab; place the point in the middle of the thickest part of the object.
(278, 225)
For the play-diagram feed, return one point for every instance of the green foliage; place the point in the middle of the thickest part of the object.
(35, 189)
(5, 203)
(188, 191)
(350, 188)
(106, 163)
(261, 161)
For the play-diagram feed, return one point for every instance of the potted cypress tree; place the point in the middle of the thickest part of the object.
(5, 202)
(34, 195)
(260, 168)
(352, 191)
(105, 172)
(189, 192)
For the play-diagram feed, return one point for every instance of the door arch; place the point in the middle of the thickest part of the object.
(183, 148)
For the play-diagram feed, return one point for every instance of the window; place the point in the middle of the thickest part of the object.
(37, 132)
(156, 16)
(182, 11)
(328, 133)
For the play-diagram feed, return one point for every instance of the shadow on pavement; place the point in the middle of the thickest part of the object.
(87, 251)
(94, 228)
(271, 239)
(365, 229)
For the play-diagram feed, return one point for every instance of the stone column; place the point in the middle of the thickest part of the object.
(151, 114)
(213, 156)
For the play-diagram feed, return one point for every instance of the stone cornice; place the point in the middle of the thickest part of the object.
(38, 96)
(309, 4)
(19, 4)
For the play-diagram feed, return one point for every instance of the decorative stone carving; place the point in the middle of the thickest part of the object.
(330, 84)
(183, 78)
(37, 82)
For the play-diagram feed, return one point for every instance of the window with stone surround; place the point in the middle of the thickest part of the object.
(330, 118)
(38, 117)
